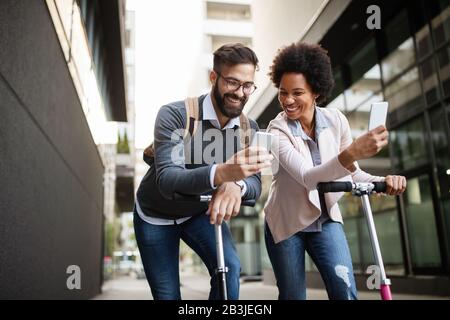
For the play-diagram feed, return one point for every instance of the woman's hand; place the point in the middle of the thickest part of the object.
(395, 185)
(365, 146)
(369, 144)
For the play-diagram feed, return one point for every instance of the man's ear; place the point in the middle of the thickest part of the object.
(212, 77)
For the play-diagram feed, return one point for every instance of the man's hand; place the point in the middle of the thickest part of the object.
(243, 164)
(225, 203)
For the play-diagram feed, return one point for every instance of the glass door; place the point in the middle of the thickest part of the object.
(421, 225)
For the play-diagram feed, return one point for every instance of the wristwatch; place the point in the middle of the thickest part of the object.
(241, 185)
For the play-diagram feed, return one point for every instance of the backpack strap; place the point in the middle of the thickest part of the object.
(192, 116)
(245, 132)
(149, 153)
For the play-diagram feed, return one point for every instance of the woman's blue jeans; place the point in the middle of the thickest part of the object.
(330, 253)
(160, 247)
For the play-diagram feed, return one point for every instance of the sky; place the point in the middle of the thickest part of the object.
(168, 44)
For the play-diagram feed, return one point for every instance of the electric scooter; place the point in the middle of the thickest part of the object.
(364, 190)
(221, 269)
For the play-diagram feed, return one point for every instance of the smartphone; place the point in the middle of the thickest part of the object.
(378, 114)
(262, 139)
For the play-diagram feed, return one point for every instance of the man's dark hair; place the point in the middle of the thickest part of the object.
(233, 54)
(311, 60)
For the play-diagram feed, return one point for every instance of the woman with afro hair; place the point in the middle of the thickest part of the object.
(313, 144)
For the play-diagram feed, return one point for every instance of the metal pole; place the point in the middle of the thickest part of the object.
(221, 268)
(385, 282)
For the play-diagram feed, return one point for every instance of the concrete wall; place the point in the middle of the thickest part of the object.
(50, 170)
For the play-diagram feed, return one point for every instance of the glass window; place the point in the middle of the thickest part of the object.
(368, 87)
(398, 61)
(365, 76)
(362, 61)
(228, 11)
(238, 233)
(382, 203)
(389, 238)
(430, 81)
(408, 145)
(352, 235)
(438, 131)
(336, 99)
(446, 208)
(397, 31)
(359, 119)
(444, 69)
(421, 223)
(423, 41)
(441, 26)
(338, 103)
(388, 231)
(338, 83)
(404, 91)
(441, 146)
(350, 206)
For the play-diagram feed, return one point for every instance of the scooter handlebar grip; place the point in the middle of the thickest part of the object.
(195, 198)
(183, 197)
(379, 187)
(335, 186)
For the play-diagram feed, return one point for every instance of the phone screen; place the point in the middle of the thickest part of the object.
(378, 114)
(262, 139)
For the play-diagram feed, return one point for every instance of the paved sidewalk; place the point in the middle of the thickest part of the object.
(196, 287)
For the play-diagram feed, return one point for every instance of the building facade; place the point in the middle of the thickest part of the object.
(224, 21)
(405, 62)
(61, 69)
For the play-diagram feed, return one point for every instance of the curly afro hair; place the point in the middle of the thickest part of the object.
(311, 60)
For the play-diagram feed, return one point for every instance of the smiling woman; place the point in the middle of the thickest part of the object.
(290, 76)
(313, 145)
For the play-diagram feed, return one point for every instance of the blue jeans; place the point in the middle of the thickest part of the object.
(160, 247)
(330, 253)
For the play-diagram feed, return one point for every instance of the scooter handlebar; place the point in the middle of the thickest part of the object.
(347, 186)
(335, 186)
(199, 198)
(379, 187)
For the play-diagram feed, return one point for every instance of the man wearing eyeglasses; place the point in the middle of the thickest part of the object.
(230, 173)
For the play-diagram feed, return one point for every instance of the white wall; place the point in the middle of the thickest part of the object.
(278, 23)
(169, 40)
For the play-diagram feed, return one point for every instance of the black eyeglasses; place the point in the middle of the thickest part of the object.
(233, 85)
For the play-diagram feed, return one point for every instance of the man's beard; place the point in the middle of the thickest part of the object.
(227, 111)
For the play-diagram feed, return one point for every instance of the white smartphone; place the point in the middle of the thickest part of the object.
(262, 139)
(378, 114)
